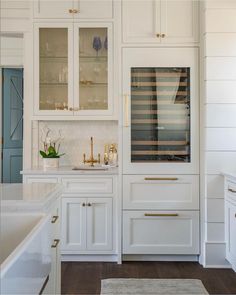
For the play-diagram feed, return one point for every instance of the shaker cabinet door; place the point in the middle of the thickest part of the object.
(73, 224)
(179, 21)
(99, 224)
(141, 21)
(95, 9)
(54, 9)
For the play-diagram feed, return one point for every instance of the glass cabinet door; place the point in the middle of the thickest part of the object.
(54, 73)
(93, 76)
(160, 114)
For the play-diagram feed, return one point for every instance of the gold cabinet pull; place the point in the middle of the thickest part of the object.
(55, 243)
(83, 204)
(89, 204)
(161, 214)
(158, 35)
(70, 10)
(54, 219)
(231, 190)
(163, 35)
(126, 114)
(160, 178)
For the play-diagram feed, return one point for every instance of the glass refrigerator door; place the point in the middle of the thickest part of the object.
(160, 114)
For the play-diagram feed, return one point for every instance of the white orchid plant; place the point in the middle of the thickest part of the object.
(51, 143)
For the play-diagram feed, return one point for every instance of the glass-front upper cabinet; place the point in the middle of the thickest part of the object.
(160, 110)
(93, 69)
(53, 69)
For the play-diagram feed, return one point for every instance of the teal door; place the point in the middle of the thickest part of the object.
(12, 125)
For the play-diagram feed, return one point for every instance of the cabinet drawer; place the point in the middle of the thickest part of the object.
(158, 232)
(231, 191)
(161, 192)
(91, 185)
(41, 179)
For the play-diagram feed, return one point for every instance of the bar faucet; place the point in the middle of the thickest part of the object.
(91, 160)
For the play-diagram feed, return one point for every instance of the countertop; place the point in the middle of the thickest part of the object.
(68, 170)
(33, 196)
(231, 175)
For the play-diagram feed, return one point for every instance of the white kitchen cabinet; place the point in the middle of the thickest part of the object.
(165, 192)
(73, 70)
(73, 9)
(87, 225)
(74, 224)
(161, 232)
(160, 21)
(160, 111)
(230, 222)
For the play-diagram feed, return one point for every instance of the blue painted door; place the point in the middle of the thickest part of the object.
(12, 125)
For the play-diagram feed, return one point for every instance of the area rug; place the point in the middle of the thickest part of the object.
(152, 286)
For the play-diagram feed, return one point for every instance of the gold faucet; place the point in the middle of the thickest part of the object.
(91, 160)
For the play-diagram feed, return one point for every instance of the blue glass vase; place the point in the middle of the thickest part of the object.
(97, 44)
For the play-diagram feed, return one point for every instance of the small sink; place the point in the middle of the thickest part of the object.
(25, 259)
(95, 167)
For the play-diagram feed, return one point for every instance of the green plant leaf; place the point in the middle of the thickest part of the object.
(51, 150)
(43, 154)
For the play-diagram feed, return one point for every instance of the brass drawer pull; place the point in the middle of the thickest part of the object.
(161, 214)
(70, 10)
(163, 35)
(55, 243)
(231, 190)
(54, 219)
(160, 178)
(158, 35)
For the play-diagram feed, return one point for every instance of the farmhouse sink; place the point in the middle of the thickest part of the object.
(25, 260)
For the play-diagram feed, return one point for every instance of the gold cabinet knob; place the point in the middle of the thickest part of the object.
(83, 204)
(71, 109)
(89, 204)
(75, 10)
(163, 35)
(158, 35)
(71, 10)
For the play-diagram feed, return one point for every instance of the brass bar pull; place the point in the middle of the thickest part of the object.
(161, 214)
(231, 190)
(160, 178)
(55, 243)
(126, 114)
(54, 219)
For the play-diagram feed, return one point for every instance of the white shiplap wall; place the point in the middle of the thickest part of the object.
(220, 119)
(11, 51)
(14, 15)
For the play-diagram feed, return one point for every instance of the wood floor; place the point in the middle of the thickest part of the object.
(85, 277)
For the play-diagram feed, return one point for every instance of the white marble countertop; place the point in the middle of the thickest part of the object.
(231, 175)
(68, 170)
(32, 196)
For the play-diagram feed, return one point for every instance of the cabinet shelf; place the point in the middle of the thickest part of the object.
(159, 143)
(53, 84)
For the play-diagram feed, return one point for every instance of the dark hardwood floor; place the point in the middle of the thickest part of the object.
(85, 277)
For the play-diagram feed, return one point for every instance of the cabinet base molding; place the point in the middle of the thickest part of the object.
(160, 257)
(90, 258)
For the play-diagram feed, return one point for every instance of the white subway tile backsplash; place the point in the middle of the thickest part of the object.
(215, 186)
(215, 210)
(220, 68)
(221, 115)
(220, 20)
(220, 44)
(220, 91)
(221, 139)
(218, 162)
(77, 138)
